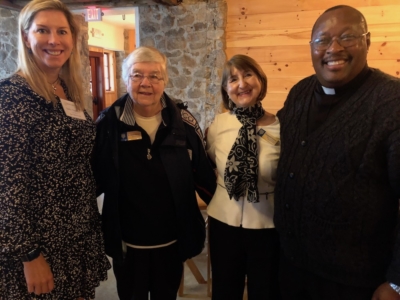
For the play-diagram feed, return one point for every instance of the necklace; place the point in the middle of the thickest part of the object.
(54, 85)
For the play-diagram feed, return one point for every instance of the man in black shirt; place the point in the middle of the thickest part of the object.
(338, 185)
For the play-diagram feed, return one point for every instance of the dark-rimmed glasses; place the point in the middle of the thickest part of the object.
(138, 77)
(345, 41)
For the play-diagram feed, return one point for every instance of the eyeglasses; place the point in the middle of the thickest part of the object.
(345, 41)
(137, 77)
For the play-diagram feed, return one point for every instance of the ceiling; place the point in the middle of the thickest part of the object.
(115, 16)
(81, 4)
(124, 21)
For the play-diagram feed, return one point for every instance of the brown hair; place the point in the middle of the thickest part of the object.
(242, 63)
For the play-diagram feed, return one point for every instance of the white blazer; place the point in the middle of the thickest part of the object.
(220, 137)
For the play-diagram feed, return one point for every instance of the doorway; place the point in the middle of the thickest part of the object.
(97, 88)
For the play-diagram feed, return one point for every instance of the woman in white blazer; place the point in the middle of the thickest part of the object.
(244, 145)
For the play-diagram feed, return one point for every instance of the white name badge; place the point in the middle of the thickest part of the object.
(71, 111)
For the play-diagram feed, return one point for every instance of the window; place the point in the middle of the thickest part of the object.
(107, 73)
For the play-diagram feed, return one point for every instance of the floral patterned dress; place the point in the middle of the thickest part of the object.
(47, 195)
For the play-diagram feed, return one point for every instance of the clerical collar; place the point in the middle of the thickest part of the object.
(352, 85)
(328, 91)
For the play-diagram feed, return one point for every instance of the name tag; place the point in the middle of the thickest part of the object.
(131, 136)
(71, 111)
(270, 139)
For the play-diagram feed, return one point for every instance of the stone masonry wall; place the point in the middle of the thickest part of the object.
(192, 36)
(119, 59)
(8, 42)
(85, 65)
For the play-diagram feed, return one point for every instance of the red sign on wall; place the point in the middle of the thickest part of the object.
(93, 14)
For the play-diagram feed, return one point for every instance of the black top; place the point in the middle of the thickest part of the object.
(146, 203)
(336, 198)
(323, 105)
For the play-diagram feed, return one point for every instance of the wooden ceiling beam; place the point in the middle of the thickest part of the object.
(82, 4)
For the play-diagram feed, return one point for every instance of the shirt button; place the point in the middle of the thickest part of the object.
(289, 233)
(291, 175)
(303, 143)
(287, 206)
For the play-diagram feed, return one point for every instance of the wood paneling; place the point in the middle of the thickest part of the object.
(301, 36)
(110, 98)
(301, 53)
(96, 49)
(277, 36)
(251, 7)
(304, 69)
(131, 40)
(376, 16)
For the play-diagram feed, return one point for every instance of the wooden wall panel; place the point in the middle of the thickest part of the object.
(251, 7)
(301, 36)
(131, 40)
(376, 16)
(301, 53)
(110, 98)
(277, 36)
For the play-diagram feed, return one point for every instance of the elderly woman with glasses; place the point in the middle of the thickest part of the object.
(149, 162)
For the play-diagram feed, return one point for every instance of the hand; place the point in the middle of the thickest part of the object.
(385, 292)
(38, 276)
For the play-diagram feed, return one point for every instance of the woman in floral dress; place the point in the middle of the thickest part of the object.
(51, 245)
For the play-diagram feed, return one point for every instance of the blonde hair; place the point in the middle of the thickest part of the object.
(144, 54)
(70, 71)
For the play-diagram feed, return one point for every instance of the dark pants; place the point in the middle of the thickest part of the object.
(155, 271)
(298, 284)
(237, 253)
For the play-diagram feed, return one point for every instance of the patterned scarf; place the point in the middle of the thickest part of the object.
(241, 171)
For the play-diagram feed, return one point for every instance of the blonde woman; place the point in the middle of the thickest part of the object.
(50, 238)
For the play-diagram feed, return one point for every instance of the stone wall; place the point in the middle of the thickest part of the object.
(192, 36)
(8, 42)
(85, 65)
(119, 59)
(120, 84)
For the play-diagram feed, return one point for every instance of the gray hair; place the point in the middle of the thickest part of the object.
(144, 54)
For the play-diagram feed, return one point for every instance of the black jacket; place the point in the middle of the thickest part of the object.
(185, 176)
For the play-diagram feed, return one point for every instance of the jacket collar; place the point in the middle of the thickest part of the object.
(127, 115)
(171, 116)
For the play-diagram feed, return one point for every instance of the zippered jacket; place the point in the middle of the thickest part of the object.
(185, 162)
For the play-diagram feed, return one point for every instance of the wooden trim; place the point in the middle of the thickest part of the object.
(96, 49)
(169, 2)
(111, 55)
(100, 72)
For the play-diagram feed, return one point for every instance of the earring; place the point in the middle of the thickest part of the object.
(30, 51)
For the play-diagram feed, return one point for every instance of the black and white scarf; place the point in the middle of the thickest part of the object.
(241, 171)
